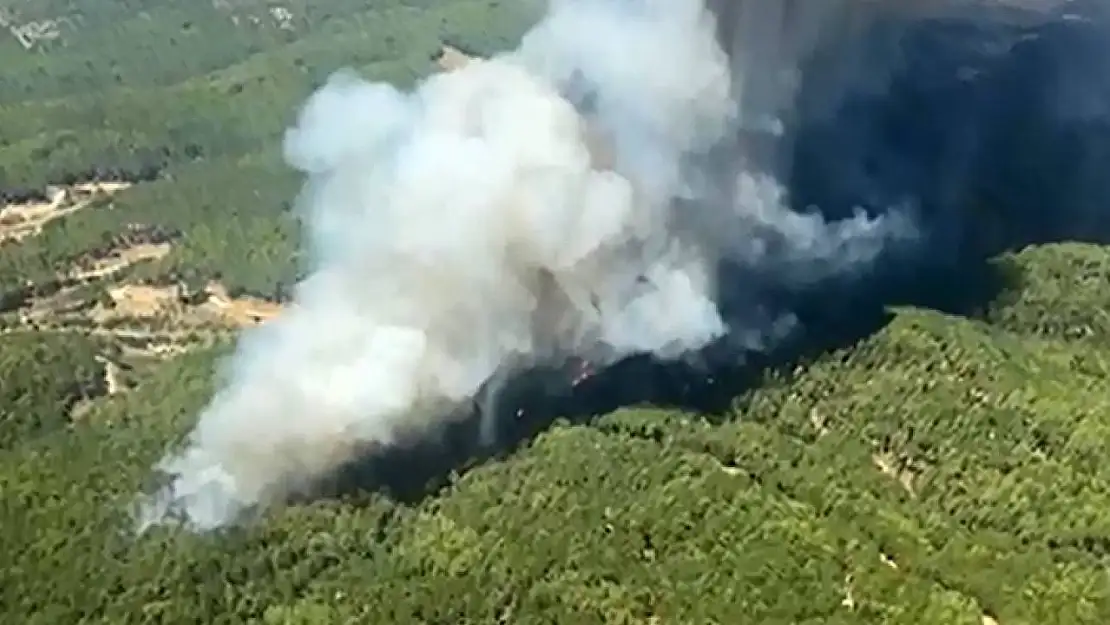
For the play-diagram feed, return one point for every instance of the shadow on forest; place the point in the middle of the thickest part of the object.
(998, 150)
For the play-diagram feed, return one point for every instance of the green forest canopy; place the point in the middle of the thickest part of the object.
(943, 470)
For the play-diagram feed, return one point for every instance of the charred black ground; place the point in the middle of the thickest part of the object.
(996, 132)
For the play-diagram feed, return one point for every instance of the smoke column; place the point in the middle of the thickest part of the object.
(468, 229)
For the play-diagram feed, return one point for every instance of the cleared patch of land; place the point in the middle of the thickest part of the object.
(19, 221)
(96, 295)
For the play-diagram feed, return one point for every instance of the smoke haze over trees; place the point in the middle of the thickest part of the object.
(921, 443)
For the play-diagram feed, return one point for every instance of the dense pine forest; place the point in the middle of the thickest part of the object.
(935, 463)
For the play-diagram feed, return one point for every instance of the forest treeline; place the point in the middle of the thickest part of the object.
(235, 108)
(156, 43)
(206, 141)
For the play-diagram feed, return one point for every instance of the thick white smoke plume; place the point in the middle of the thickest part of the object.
(473, 227)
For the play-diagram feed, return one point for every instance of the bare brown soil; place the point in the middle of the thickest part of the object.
(96, 296)
(19, 221)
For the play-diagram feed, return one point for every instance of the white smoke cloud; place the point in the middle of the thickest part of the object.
(465, 229)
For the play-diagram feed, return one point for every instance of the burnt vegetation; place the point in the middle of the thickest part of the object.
(926, 447)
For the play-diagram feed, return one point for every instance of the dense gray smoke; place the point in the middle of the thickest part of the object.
(993, 116)
(469, 228)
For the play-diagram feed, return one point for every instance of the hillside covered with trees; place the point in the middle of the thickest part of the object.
(935, 463)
